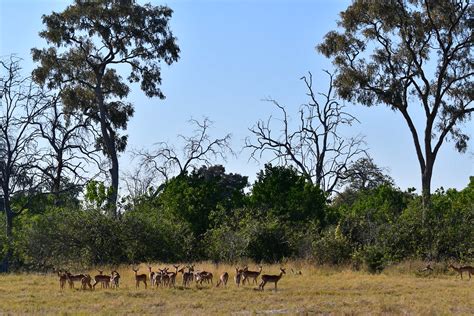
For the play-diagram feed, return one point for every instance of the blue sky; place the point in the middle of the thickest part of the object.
(233, 55)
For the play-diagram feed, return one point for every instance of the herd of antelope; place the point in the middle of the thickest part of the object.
(166, 278)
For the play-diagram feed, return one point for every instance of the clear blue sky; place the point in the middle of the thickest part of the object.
(234, 53)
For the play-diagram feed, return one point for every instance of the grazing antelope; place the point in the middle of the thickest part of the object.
(71, 278)
(461, 269)
(104, 280)
(86, 282)
(62, 279)
(139, 278)
(238, 276)
(152, 276)
(246, 275)
(267, 278)
(223, 279)
(203, 276)
(115, 279)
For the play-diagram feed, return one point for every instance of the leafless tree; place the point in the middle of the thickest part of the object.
(197, 150)
(315, 146)
(69, 157)
(21, 102)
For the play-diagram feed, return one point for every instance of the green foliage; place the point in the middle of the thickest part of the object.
(331, 247)
(97, 194)
(287, 195)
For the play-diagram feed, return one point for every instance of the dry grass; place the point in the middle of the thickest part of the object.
(317, 291)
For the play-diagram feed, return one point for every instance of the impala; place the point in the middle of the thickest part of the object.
(152, 276)
(62, 279)
(86, 282)
(223, 279)
(268, 278)
(71, 278)
(461, 269)
(203, 276)
(139, 278)
(115, 279)
(246, 275)
(238, 276)
(104, 280)
(187, 276)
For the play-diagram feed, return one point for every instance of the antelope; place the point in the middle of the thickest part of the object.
(238, 276)
(104, 280)
(223, 279)
(246, 275)
(62, 279)
(172, 276)
(71, 278)
(152, 276)
(139, 278)
(86, 282)
(266, 278)
(115, 279)
(187, 276)
(164, 276)
(203, 276)
(461, 269)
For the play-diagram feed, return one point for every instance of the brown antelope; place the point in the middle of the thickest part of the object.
(115, 279)
(187, 276)
(164, 277)
(71, 278)
(203, 276)
(139, 278)
(86, 282)
(152, 276)
(238, 276)
(223, 279)
(461, 269)
(172, 276)
(104, 280)
(246, 275)
(267, 278)
(62, 279)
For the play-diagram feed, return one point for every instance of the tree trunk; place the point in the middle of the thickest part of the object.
(109, 143)
(5, 264)
(426, 185)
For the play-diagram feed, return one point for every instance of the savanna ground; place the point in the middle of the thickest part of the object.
(319, 290)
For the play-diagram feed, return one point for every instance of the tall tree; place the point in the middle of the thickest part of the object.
(20, 102)
(405, 54)
(89, 39)
(316, 146)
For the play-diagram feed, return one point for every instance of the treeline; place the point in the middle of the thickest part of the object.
(207, 215)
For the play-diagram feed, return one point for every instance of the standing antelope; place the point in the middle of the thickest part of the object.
(86, 282)
(266, 278)
(164, 277)
(246, 275)
(62, 279)
(238, 276)
(115, 279)
(71, 278)
(152, 276)
(203, 276)
(187, 276)
(172, 276)
(139, 278)
(104, 280)
(223, 279)
(461, 269)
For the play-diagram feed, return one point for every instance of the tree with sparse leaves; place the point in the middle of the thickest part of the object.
(407, 54)
(89, 39)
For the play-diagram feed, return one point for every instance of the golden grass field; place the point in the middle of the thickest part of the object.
(319, 290)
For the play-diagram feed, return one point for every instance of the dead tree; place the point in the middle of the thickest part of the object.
(315, 146)
(69, 157)
(21, 102)
(197, 150)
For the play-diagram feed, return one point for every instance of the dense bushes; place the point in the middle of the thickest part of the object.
(206, 215)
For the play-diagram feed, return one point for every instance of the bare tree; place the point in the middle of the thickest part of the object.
(21, 103)
(316, 146)
(69, 156)
(197, 150)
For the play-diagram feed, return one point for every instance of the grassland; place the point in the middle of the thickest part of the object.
(316, 291)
